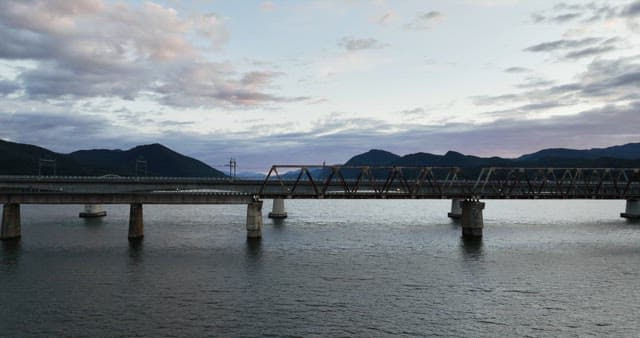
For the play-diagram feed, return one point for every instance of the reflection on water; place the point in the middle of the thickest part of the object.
(277, 222)
(136, 246)
(10, 253)
(254, 249)
(93, 225)
(472, 248)
(93, 221)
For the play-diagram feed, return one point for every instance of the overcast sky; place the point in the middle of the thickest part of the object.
(310, 81)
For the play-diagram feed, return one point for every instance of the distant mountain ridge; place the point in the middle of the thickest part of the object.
(627, 155)
(629, 151)
(622, 156)
(23, 159)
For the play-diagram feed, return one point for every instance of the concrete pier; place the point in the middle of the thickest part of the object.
(254, 220)
(278, 209)
(136, 224)
(10, 221)
(632, 211)
(456, 209)
(472, 222)
(93, 210)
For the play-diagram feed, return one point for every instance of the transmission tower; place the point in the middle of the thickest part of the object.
(44, 163)
(141, 166)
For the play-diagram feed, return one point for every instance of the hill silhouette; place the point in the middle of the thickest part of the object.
(23, 159)
(623, 156)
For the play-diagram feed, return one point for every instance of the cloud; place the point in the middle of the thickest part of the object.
(587, 12)
(516, 70)
(354, 44)
(560, 18)
(413, 112)
(535, 82)
(632, 10)
(46, 129)
(386, 18)
(604, 80)
(425, 20)
(562, 44)
(8, 87)
(586, 47)
(337, 137)
(591, 51)
(89, 49)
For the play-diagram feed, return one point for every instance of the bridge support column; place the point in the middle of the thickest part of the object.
(136, 224)
(278, 209)
(10, 222)
(632, 211)
(254, 220)
(472, 222)
(456, 209)
(92, 210)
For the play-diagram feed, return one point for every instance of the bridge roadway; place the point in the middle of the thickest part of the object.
(322, 182)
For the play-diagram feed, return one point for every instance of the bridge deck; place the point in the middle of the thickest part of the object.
(125, 198)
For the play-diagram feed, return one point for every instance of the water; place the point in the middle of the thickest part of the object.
(333, 268)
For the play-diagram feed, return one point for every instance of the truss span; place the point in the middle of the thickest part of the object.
(415, 182)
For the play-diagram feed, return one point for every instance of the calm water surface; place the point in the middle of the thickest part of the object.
(333, 268)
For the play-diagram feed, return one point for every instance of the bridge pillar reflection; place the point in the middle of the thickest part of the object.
(278, 210)
(632, 211)
(136, 224)
(10, 221)
(254, 220)
(93, 210)
(456, 209)
(472, 222)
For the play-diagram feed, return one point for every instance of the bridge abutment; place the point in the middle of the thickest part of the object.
(456, 209)
(632, 210)
(10, 222)
(472, 222)
(136, 224)
(93, 210)
(254, 220)
(278, 210)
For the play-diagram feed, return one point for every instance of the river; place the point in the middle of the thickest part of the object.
(333, 268)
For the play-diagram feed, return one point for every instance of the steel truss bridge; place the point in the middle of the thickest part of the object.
(344, 182)
(465, 187)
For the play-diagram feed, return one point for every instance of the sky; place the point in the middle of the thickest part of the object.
(307, 82)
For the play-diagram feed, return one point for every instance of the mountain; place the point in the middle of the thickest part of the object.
(623, 156)
(380, 157)
(23, 159)
(450, 159)
(251, 175)
(630, 151)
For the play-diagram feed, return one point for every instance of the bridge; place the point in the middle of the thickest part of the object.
(465, 187)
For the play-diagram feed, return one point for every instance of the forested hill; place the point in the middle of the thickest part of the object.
(23, 159)
(627, 155)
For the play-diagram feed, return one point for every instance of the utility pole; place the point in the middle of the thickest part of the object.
(232, 167)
